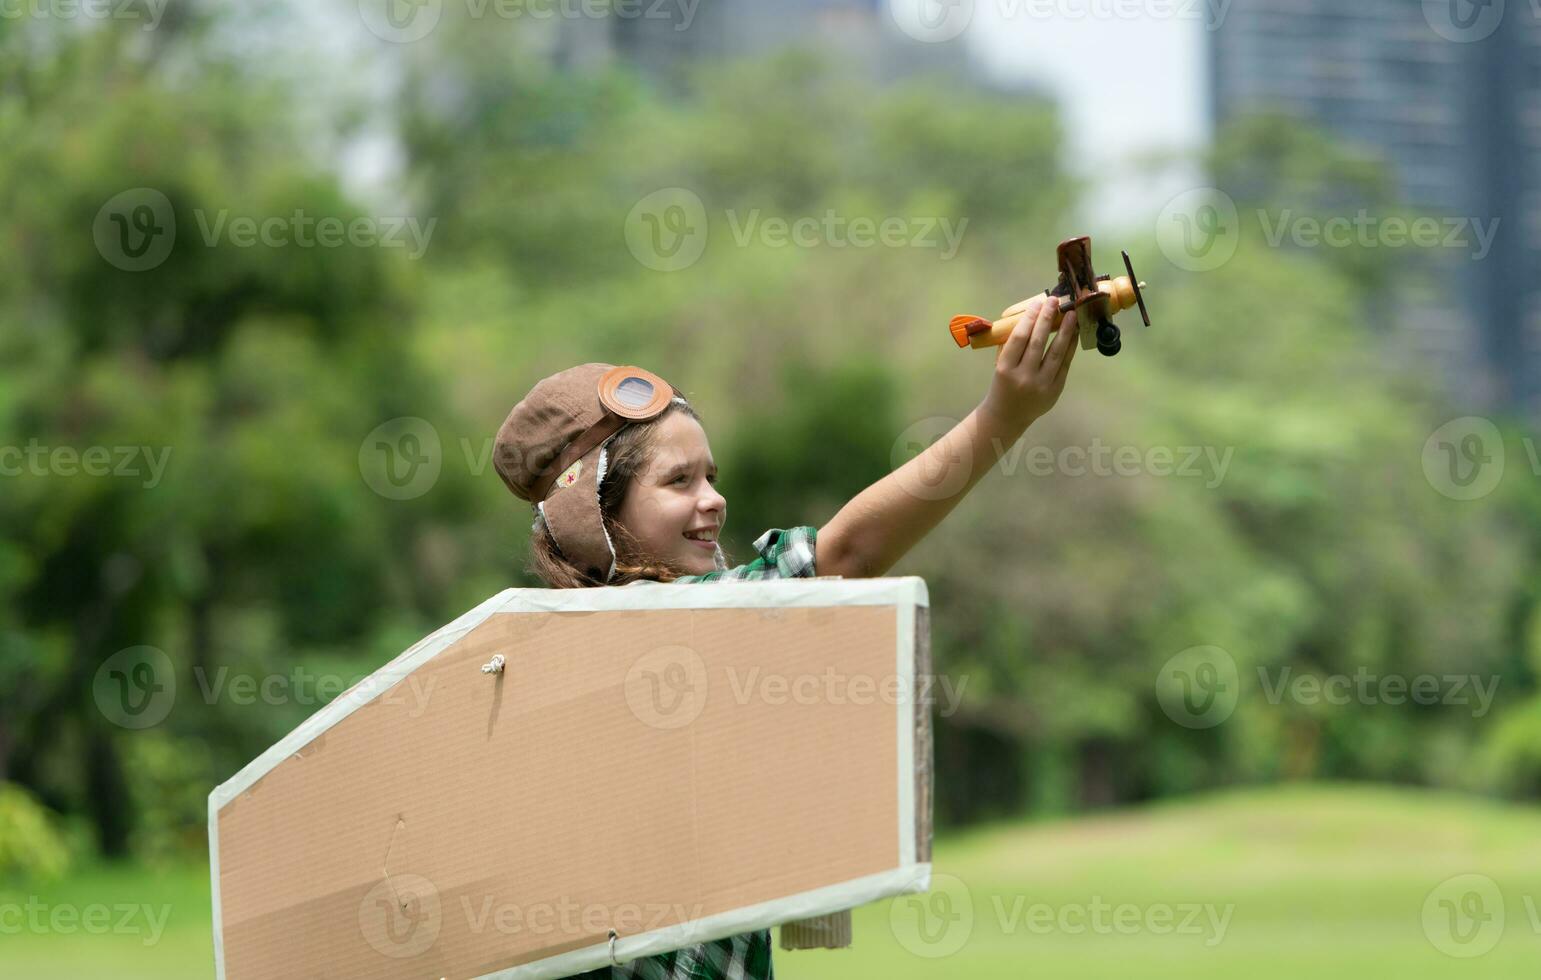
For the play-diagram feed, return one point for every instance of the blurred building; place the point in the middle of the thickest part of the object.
(665, 38)
(1449, 94)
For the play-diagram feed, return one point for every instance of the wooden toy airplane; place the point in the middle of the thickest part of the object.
(1094, 298)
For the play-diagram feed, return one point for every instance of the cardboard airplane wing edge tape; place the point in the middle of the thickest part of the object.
(846, 895)
(913, 875)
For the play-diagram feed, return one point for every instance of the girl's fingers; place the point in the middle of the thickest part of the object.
(1042, 324)
(1062, 341)
(1064, 366)
(1011, 350)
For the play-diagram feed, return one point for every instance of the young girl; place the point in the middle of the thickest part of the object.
(618, 468)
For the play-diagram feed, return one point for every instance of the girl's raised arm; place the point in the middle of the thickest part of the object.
(882, 523)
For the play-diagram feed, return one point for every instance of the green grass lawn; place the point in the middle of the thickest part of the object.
(1305, 882)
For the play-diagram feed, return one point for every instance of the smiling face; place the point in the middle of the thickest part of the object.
(676, 493)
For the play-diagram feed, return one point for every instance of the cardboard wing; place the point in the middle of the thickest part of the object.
(649, 767)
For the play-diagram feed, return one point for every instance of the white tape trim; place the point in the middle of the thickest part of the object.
(905, 670)
(783, 592)
(821, 901)
(219, 936)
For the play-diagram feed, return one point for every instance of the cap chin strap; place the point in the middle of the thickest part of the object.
(541, 520)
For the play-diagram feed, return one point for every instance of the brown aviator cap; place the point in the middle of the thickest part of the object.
(551, 451)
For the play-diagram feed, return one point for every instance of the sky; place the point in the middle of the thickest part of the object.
(1126, 86)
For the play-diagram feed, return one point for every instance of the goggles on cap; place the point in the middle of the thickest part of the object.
(627, 394)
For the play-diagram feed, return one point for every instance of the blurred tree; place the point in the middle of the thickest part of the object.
(230, 389)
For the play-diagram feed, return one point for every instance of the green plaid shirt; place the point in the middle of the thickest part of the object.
(783, 554)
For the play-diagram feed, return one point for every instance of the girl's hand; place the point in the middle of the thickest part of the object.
(1030, 370)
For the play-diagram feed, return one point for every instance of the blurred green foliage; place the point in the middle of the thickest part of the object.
(1319, 547)
(33, 845)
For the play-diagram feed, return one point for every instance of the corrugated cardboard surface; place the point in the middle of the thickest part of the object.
(629, 770)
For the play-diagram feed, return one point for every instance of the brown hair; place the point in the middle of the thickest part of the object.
(627, 454)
